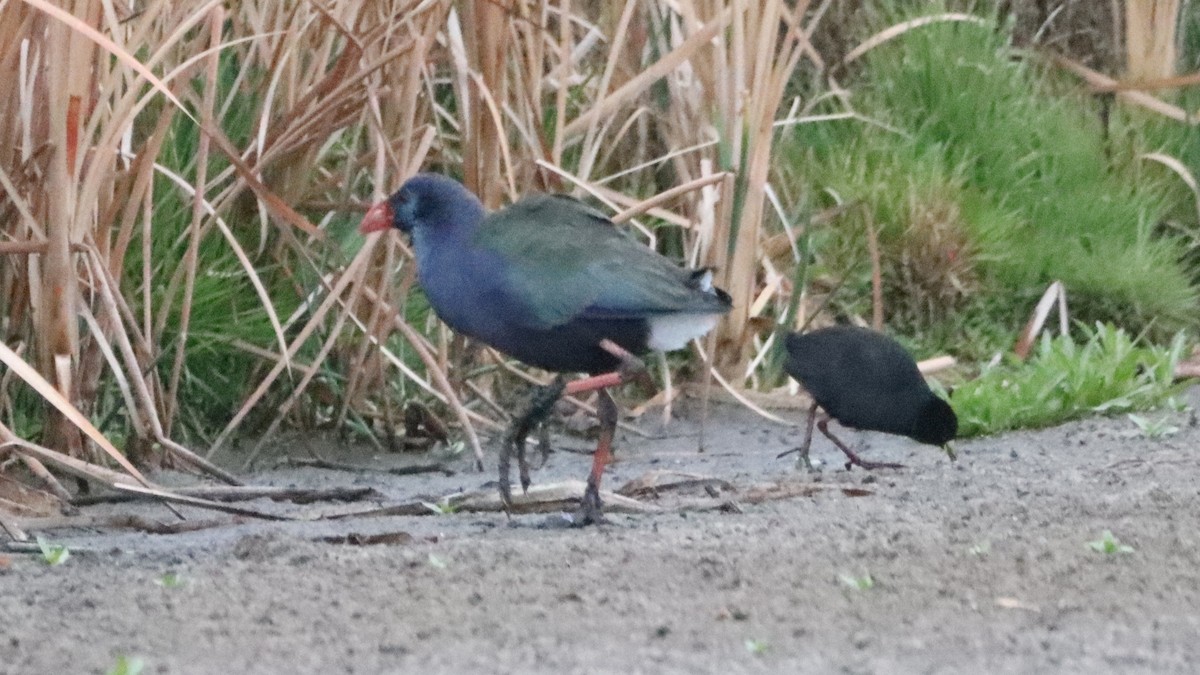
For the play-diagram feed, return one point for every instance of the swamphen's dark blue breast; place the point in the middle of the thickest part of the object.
(546, 279)
(866, 380)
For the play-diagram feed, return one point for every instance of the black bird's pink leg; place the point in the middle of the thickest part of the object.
(855, 460)
(803, 460)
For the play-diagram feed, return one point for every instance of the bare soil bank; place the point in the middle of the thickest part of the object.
(979, 566)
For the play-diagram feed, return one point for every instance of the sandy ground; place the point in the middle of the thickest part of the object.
(979, 566)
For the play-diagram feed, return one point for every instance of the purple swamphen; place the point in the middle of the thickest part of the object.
(866, 380)
(551, 282)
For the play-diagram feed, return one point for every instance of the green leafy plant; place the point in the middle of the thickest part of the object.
(981, 549)
(756, 647)
(171, 580)
(1105, 372)
(1154, 429)
(858, 583)
(1109, 545)
(127, 665)
(441, 508)
(53, 554)
(983, 177)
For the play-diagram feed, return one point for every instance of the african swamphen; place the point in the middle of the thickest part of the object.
(553, 283)
(866, 380)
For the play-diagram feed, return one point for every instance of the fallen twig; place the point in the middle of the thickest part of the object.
(122, 521)
(201, 503)
(358, 539)
(544, 498)
(414, 469)
(1055, 295)
(758, 494)
(237, 493)
(22, 500)
(414, 507)
(654, 482)
(36, 548)
(11, 529)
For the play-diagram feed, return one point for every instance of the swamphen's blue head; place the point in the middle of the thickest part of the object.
(425, 200)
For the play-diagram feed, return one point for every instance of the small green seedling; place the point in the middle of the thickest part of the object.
(981, 549)
(437, 562)
(756, 647)
(1176, 404)
(127, 665)
(1154, 429)
(442, 508)
(1109, 545)
(53, 554)
(171, 580)
(863, 583)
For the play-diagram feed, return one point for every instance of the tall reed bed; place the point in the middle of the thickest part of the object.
(179, 184)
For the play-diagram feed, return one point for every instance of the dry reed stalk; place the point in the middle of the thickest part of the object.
(1150, 39)
(892, 32)
(100, 169)
(1101, 82)
(485, 35)
(523, 93)
(736, 88)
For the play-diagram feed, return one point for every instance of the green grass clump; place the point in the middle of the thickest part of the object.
(973, 139)
(53, 554)
(1109, 545)
(1107, 372)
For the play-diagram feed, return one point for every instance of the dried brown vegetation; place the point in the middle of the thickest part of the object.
(289, 118)
(170, 172)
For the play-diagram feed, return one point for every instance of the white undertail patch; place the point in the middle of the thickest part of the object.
(673, 331)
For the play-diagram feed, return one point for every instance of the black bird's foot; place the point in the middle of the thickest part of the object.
(871, 466)
(802, 462)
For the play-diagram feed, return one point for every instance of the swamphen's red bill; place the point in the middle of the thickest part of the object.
(378, 218)
(551, 282)
(866, 380)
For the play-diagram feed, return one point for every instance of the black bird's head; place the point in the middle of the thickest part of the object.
(426, 199)
(936, 424)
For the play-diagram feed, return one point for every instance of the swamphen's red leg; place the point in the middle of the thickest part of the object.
(631, 368)
(591, 508)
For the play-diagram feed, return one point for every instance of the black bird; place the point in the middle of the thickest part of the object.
(552, 282)
(866, 380)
